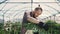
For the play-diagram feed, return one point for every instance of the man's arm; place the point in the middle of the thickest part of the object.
(31, 19)
(40, 24)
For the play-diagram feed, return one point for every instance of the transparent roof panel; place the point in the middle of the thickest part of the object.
(15, 8)
(19, 1)
(46, 0)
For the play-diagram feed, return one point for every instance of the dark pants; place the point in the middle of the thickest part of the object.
(23, 30)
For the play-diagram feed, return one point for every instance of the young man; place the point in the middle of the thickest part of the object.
(31, 17)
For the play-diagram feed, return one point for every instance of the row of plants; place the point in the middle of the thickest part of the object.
(54, 27)
(10, 28)
(15, 28)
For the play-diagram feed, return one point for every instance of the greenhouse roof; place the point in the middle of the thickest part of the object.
(11, 9)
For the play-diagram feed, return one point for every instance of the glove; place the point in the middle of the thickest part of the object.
(44, 26)
(41, 24)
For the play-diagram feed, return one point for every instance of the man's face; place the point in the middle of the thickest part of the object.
(37, 13)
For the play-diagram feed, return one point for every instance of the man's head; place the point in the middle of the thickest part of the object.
(38, 11)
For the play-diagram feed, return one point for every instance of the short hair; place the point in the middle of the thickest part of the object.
(38, 8)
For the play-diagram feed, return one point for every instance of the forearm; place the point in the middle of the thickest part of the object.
(33, 20)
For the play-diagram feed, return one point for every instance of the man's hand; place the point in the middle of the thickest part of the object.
(43, 25)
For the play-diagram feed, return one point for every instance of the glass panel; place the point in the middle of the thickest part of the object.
(19, 1)
(45, 0)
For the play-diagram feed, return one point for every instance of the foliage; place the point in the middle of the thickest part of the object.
(54, 28)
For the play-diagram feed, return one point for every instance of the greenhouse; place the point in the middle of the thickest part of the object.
(12, 12)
